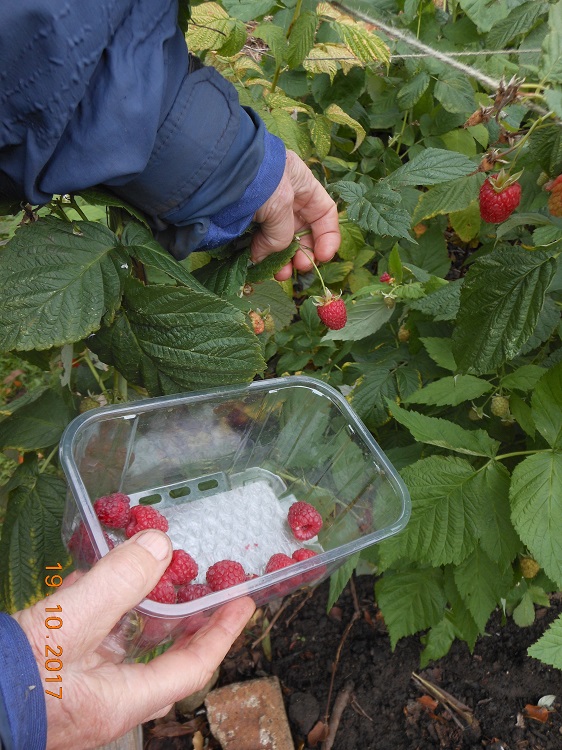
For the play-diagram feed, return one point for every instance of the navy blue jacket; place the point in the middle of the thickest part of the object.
(105, 92)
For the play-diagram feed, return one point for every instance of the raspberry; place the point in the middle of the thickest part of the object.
(332, 313)
(555, 199)
(499, 197)
(529, 567)
(303, 554)
(277, 562)
(269, 323)
(81, 547)
(113, 510)
(386, 278)
(163, 592)
(182, 569)
(304, 520)
(499, 406)
(403, 334)
(258, 323)
(192, 591)
(225, 573)
(144, 517)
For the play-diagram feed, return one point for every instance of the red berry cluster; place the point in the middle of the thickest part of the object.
(177, 583)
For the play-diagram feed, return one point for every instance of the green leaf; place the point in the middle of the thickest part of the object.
(430, 254)
(536, 509)
(271, 265)
(321, 60)
(375, 210)
(280, 123)
(442, 304)
(301, 38)
(498, 538)
(441, 352)
(438, 641)
(466, 223)
(268, 295)
(551, 64)
(321, 135)
(433, 166)
(547, 322)
(225, 277)
(524, 378)
(98, 197)
(249, 10)
(520, 21)
(482, 583)
(548, 648)
(485, 13)
(31, 537)
(170, 339)
(140, 244)
(413, 91)
(521, 411)
(371, 393)
(501, 299)
(455, 93)
(210, 27)
(38, 424)
(546, 405)
(337, 115)
(57, 281)
(451, 196)
(339, 580)
(410, 600)
(364, 318)
(450, 391)
(274, 37)
(447, 504)
(445, 434)
(524, 612)
(363, 43)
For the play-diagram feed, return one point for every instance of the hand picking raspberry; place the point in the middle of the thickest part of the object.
(182, 569)
(144, 517)
(192, 591)
(113, 510)
(277, 562)
(163, 592)
(225, 573)
(499, 197)
(304, 520)
(303, 554)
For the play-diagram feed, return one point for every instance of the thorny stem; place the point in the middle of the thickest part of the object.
(77, 208)
(49, 458)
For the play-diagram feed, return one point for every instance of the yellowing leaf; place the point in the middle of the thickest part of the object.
(336, 114)
(363, 43)
(320, 60)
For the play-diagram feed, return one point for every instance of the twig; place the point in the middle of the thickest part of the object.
(274, 619)
(358, 708)
(298, 609)
(356, 615)
(447, 700)
(343, 699)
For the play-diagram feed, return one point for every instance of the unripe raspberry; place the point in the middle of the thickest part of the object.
(475, 415)
(403, 334)
(258, 325)
(500, 406)
(529, 567)
(88, 403)
(389, 302)
(555, 199)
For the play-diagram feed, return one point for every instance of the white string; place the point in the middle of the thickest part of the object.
(475, 54)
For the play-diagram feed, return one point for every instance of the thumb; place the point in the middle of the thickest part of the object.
(93, 604)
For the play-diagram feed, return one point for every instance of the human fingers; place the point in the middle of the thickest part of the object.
(114, 585)
(181, 672)
(276, 222)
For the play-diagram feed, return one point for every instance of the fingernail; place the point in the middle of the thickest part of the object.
(156, 542)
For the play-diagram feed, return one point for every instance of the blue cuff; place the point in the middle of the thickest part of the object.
(21, 691)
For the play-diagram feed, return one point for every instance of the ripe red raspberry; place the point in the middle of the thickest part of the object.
(258, 323)
(278, 561)
(182, 569)
(555, 199)
(332, 312)
(163, 592)
(144, 517)
(192, 591)
(303, 554)
(304, 520)
(499, 197)
(113, 510)
(386, 278)
(225, 573)
(81, 547)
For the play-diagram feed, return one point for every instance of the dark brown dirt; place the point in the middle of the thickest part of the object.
(495, 683)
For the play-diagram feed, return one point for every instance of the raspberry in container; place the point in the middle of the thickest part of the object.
(278, 477)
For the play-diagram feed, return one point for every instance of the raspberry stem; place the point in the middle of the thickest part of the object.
(297, 238)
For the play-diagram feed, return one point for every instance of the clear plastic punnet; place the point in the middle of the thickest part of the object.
(224, 466)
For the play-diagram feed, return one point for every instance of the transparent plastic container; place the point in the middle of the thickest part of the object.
(224, 466)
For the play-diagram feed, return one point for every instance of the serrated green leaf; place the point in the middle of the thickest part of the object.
(445, 434)
(455, 92)
(433, 166)
(6, 410)
(447, 504)
(210, 27)
(339, 580)
(524, 612)
(170, 339)
(524, 378)
(321, 135)
(38, 424)
(412, 92)
(430, 254)
(546, 406)
(370, 394)
(438, 641)
(548, 648)
(501, 299)
(225, 277)
(467, 629)
(466, 223)
(520, 20)
(364, 318)
(31, 537)
(365, 45)
(57, 281)
(269, 295)
(271, 265)
(275, 39)
(249, 10)
(485, 13)
(497, 535)
(375, 210)
(521, 411)
(99, 197)
(536, 509)
(321, 60)
(450, 196)
(440, 351)
(551, 64)
(301, 38)
(337, 115)
(140, 244)
(442, 304)
(410, 600)
(547, 322)
(280, 123)
(482, 583)
(450, 391)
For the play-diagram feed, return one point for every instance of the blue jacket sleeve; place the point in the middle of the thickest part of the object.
(23, 718)
(105, 92)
